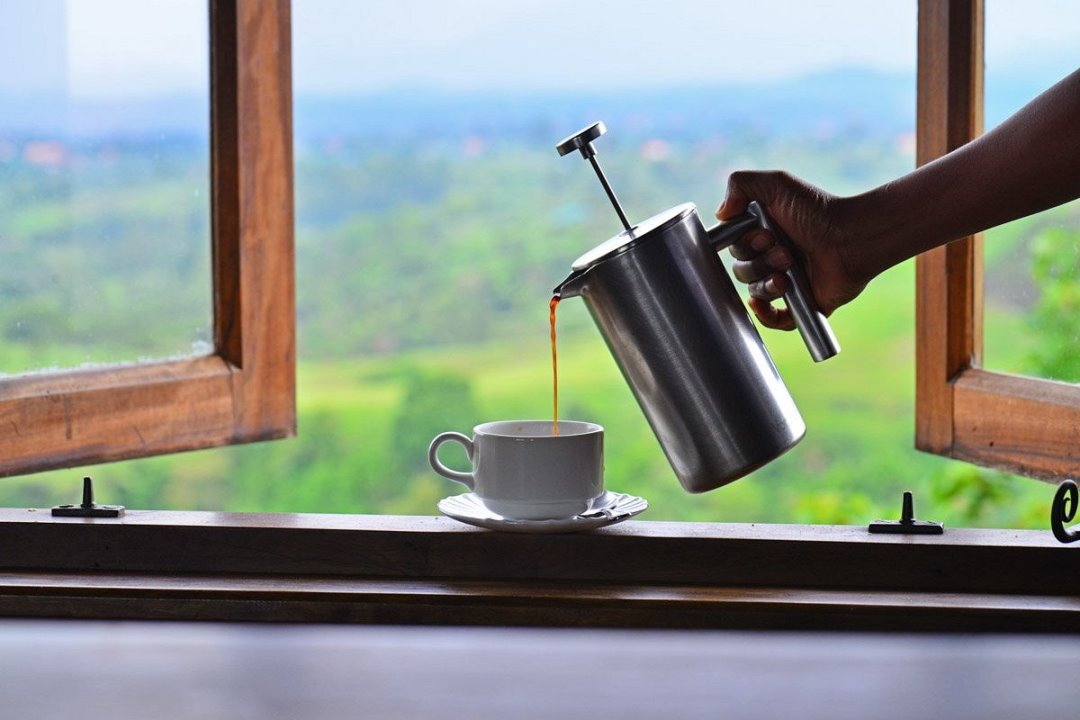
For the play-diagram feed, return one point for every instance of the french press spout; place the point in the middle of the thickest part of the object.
(683, 339)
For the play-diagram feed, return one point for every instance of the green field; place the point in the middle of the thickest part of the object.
(360, 450)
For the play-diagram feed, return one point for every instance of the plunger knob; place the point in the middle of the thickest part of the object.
(582, 140)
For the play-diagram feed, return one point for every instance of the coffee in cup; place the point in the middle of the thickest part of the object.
(521, 471)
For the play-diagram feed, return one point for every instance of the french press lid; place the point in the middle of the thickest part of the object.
(640, 233)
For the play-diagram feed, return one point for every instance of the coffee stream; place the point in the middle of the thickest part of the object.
(554, 368)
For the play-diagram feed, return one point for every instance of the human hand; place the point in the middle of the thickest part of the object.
(813, 220)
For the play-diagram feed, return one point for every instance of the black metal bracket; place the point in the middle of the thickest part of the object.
(1063, 510)
(88, 508)
(907, 524)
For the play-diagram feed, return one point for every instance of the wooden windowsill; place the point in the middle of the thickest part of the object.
(420, 570)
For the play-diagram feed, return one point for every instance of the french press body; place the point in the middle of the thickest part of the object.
(684, 341)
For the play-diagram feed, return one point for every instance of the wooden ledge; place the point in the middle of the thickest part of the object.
(424, 570)
(635, 552)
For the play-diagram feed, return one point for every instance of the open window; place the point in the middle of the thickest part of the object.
(244, 390)
(1024, 425)
(291, 567)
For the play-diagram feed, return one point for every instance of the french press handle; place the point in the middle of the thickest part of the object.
(812, 324)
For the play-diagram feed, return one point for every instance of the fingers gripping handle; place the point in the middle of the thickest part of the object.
(814, 328)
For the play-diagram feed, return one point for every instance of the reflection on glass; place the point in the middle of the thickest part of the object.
(104, 182)
(1032, 266)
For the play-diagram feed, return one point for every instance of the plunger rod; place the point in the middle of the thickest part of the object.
(607, 188)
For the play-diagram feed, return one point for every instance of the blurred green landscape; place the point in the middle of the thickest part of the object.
(425, 265)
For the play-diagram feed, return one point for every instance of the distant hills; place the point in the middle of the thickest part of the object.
(876, 102)
(856, 100)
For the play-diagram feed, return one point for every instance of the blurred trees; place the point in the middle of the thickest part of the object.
(1055, 269)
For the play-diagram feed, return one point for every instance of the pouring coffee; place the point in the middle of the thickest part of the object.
(683, 339)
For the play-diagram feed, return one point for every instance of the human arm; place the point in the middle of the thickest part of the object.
(1028, 163)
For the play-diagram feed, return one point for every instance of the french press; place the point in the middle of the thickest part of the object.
(684, 341)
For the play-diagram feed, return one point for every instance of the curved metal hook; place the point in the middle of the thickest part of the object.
(1063, 510)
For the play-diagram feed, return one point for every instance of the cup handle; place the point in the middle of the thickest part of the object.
(465, 478)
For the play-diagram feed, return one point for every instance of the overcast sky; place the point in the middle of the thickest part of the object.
(357, 45)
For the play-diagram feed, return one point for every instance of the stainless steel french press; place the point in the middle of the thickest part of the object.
(670, 314)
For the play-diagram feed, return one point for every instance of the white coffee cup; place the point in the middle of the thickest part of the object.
(522, 471)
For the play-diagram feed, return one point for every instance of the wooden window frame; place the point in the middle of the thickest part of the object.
(1023, 425)
(245, 390)
(327, 568)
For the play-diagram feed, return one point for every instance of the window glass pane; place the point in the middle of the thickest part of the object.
(1032, 283)
(104, 182)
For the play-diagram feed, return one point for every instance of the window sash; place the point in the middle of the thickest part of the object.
(245, 390)
(1019, 424)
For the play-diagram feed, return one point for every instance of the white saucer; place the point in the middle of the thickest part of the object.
(608, 509)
